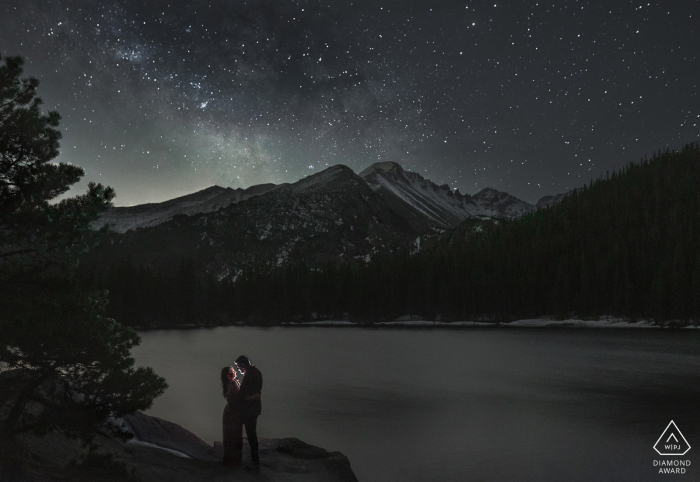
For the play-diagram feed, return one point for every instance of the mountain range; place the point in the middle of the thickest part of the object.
(625, 245)
(332, 215)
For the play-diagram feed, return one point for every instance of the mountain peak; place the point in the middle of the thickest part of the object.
(331, 174)
(439, 204)
(387, 166)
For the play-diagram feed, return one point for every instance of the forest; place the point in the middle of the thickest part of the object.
(626, 245)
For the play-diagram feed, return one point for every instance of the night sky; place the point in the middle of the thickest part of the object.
(530, 98)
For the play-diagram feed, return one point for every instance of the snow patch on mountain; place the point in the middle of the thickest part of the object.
(443, 206)
(440, 204)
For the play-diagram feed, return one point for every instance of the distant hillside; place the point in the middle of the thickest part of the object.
(122, 219)
(334, 215)
(330, 216)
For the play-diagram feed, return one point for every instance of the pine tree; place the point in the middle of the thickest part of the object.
(52, 325)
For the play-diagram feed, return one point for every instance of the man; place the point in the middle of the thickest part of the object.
(250, 405)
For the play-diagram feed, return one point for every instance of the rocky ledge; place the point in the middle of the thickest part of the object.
(163, 451)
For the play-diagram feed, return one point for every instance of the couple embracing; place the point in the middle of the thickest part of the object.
(243, 407)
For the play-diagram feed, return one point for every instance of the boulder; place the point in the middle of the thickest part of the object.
(161, 451)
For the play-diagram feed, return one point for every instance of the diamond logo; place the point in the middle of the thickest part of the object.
(672, 441)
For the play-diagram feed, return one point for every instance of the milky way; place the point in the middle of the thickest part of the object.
(526, 97)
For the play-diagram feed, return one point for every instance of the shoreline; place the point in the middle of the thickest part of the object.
(525, 323)
(530, 323)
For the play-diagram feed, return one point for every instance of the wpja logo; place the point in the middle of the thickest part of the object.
(672, 442)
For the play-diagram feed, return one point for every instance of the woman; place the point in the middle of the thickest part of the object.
(233, 428)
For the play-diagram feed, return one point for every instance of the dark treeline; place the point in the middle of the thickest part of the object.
(626, 245)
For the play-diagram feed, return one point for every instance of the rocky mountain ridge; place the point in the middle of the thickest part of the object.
(211, 199)
(441, 206)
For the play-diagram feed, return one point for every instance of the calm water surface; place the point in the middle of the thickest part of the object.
(450, 405)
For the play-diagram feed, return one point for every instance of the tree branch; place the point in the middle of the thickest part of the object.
(21, 251)
(11, 100)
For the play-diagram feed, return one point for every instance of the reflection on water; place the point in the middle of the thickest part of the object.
(442, 405)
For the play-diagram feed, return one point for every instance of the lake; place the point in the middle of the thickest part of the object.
(494, 404)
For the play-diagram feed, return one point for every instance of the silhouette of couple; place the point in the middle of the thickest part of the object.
(243, 407)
